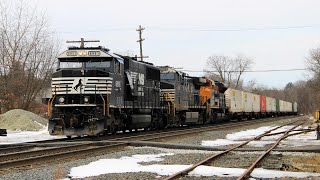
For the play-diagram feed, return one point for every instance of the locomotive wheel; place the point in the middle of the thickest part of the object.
(112, 128)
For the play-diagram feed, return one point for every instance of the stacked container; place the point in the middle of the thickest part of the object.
(247, 102)
(234, 100)
(271, 104)
(263, 104)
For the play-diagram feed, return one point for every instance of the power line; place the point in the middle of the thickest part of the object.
(268, 70)
(195, 29)
(238, 29)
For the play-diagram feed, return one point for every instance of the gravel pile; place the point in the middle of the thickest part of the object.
(21, 120)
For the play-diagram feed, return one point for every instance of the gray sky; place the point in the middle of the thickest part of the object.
(278, 34)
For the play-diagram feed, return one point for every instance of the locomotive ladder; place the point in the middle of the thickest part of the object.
(250, 169)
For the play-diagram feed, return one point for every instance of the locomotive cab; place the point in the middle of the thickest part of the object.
(81, 88)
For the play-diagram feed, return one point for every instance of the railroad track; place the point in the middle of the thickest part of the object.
(247, 173)
(28, 146)
(29, 158)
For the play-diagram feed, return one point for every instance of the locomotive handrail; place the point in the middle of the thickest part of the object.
(50, 102)
(104, 105)
(49, 108)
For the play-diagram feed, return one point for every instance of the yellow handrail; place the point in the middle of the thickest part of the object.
(50, 105)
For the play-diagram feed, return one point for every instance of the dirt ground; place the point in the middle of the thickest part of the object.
(306, 163)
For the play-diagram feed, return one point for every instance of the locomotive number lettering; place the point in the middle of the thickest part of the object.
(72, 53)
(141, 79)
(93, 53)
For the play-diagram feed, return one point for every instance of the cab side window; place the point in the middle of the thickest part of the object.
(117, 67)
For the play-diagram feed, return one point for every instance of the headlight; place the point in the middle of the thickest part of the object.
(86, 99)
(61, 99)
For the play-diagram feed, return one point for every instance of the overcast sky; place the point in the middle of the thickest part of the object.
(278, 34)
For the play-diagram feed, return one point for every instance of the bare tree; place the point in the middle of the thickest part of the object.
(250, 86)
(27, 54)
(242, 63)
(227, 69)
(313, 62)
(311, 90)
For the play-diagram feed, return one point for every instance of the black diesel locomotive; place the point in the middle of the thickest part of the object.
(97, 92)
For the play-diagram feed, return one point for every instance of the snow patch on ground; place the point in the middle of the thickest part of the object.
(257, 173)
(14, 137)
(242, 136)
(122, 165)
(248, 134)
(220, 142)
(131, 164)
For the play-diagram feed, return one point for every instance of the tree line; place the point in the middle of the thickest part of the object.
(28, 49)
(27, 53)
(306, 93)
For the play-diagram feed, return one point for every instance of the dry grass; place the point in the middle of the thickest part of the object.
(59, 173)
(307, 164)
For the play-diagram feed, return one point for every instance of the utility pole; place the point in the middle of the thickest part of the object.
(140, 40)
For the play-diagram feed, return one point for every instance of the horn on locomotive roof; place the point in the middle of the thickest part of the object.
(82, 41)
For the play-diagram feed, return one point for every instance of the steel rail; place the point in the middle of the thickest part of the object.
(190, 131)
(143, 137)
(209, 159)
(3, 146)
(57, 155)
(9, 148)
(299, 130)
(247, 173)
(21, 158)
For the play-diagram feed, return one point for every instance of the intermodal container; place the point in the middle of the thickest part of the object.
(271, 105)
(285, 106)
(263, 106)
(233, 100)
(277, 105)
(256, 103)
(247, 101)
(281, 106)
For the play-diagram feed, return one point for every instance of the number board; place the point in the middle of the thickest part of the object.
(93, 53)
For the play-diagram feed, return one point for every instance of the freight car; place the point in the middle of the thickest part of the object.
(248, 105)
(97, 92)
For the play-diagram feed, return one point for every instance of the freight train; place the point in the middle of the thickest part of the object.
(97, 92)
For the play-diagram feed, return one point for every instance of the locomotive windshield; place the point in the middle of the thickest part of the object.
(167, 76)
(70, 65)
(94, 64)
(100, 64)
